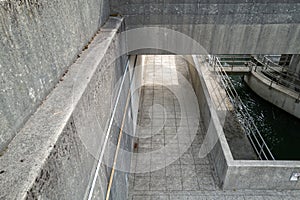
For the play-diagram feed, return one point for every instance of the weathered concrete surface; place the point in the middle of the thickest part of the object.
(238, 141)
(55, 154)
(189, 176)
(217, 145)
(295, 65)
(39, 41)
(241, 174)
(260, 175)
(221, 27)
(136, 73)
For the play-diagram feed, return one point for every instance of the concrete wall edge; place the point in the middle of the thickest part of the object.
(27, 153)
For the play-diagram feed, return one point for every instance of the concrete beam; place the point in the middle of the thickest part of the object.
(222, 27)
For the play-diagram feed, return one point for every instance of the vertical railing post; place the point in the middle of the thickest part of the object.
(270, 86)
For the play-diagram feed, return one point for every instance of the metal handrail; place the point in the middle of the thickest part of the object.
(233, 59)
(268, 63)
(247, 122)
(277, 76)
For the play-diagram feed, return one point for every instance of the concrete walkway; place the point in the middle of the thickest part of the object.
(188, 177)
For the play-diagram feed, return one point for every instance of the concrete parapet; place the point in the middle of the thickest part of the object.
(268, 175)
(52, 157)
(218, 147)
(239, 174)
(39, 41)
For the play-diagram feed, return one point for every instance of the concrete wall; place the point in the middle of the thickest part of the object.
(39, 41)
(295, 65)
(221, 27)
(238, 174)
(55, 154)
(271, 175)
(276, 94)
(136, 72)
(217, 145)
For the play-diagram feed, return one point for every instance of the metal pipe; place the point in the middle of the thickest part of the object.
(118, 147)
(247, 121)
(107, 135)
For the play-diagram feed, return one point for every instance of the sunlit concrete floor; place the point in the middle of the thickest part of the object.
(167, 117)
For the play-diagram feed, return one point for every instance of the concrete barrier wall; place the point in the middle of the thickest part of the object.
(270, 175)
(217, 145)
(221, 27)
(56, 154)
(39, 41)
(276, 94)
(238, 174)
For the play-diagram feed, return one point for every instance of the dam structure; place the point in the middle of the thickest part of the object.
(156, 99)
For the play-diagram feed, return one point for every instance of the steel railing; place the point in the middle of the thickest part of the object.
(278, 75)
(268, 64)
(233, 60)
(247, 123)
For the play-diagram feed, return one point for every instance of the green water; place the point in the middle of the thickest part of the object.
(280, 130)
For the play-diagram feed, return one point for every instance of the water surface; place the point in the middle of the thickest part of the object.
(280, 130)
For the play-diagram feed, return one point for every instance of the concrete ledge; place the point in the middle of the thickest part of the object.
(40, 40)
(270, 175)
(48, 158)
(235, 70)
(239, 174)
(278, 95)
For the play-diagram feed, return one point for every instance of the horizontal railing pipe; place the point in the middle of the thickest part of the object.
(250, 129)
